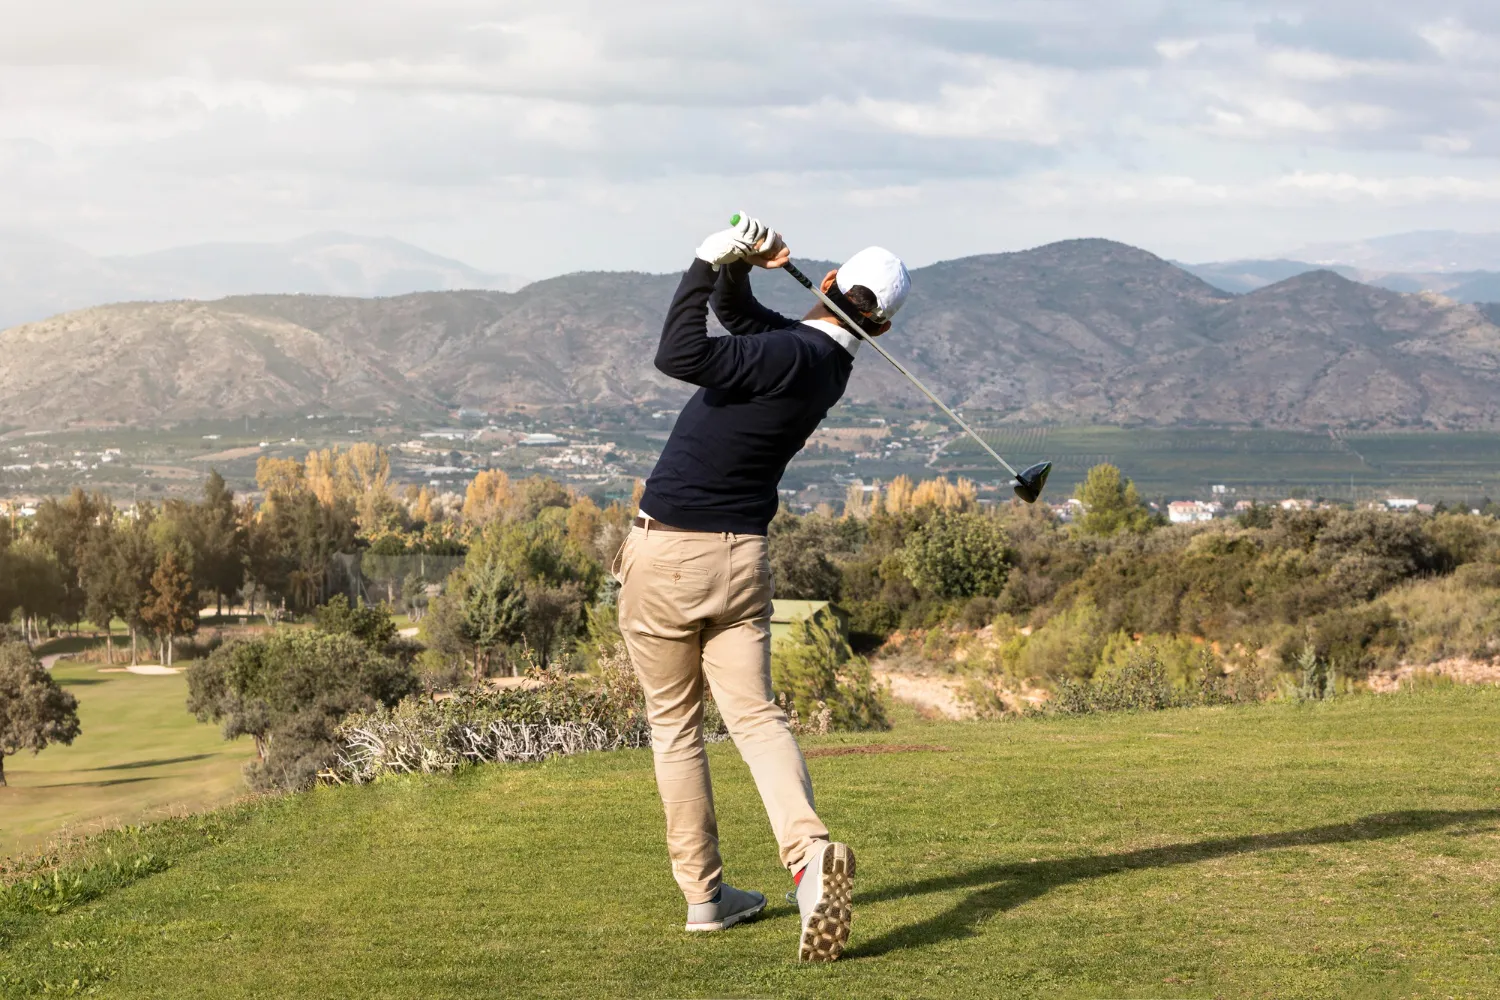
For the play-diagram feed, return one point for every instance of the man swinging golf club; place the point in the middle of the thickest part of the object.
(695, 598)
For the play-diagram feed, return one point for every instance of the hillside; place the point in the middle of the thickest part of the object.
(1079, 332)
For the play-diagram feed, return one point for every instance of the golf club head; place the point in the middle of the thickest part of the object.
(1028, 484)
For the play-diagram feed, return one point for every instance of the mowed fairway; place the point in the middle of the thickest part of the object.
(1349, 849)
(140, 755)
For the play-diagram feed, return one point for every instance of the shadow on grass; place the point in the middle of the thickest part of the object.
(99, 784)
(156, 762)
(1003, 887)
(73, 682)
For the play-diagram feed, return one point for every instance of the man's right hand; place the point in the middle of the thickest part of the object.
(747, 239)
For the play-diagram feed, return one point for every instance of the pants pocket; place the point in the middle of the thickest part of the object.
(617, 565)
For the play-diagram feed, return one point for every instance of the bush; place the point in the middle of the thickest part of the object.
(1353, 638)
(957, 554)
(371, 625)
(814, 669)
(558, 714)
(1070, 644)
(287, 691)
(1141, 684)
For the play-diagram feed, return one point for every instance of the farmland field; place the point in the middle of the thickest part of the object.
(1254, 464)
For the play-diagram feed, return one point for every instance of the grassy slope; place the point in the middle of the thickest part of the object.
(141, 754)
(1346, 849)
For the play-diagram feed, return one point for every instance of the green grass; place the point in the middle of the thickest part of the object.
(140, 755)
(1346, 849)
(1260, 464)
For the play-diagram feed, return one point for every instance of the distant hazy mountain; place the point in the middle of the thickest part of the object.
(1086, 331)
(1432, 251)
(40, 277)
(1240, 276)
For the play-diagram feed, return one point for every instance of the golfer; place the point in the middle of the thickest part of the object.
(695, 601)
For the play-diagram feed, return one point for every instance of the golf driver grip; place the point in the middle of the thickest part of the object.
(791, 269)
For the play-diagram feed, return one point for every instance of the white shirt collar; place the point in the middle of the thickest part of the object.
(842, 337)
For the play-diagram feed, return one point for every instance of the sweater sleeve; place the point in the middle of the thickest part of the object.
(757, 365)
(734, 303)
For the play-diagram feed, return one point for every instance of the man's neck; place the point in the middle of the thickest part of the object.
(837, 331)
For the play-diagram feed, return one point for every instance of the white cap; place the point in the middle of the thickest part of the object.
(881, 272)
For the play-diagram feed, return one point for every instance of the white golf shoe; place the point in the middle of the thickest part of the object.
(824, 897)
(728, 907)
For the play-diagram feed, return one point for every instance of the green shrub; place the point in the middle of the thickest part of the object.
(814, 668)
(1453, 616)
(1141, 684)
(957, 554)
(1355, 638)
(287, 691)
(1070, 644)
(370, 624)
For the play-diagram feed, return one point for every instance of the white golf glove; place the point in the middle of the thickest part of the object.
(746, 238)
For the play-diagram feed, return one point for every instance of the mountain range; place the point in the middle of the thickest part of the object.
(1084, 331)
(41, 277)
(1436, 251)
(1462, 266)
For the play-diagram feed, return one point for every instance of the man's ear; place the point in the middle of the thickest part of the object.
(881, 329)
(829, 279)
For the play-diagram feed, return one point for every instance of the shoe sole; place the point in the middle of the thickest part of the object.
(729, 921)
(827, 928)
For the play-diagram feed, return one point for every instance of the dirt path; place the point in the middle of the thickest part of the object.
(933, 694)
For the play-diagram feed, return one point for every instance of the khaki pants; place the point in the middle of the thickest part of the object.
(694, 607)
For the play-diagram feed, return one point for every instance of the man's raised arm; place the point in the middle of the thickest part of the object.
(734, 303)
(687, 352)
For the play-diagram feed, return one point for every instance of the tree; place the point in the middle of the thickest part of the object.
(800, 550)
(34, 711)
(487, 498)
(108, 590)
(482, 609)
(40, 587)
(218, 541)
(171, 608)
(814, 669)
(64, 527)
(1111, 503)
(137, 561)
(494, 612)
(955, 554)
(288, 691)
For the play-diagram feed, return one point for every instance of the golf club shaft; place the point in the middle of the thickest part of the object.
(854, 327)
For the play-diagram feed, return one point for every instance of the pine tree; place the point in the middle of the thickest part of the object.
(172, 608)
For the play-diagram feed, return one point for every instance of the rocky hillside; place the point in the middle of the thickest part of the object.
(1081, 331)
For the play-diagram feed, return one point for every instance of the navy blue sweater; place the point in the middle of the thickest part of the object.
(762, 392)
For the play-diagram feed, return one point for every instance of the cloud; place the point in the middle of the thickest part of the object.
(130, 126)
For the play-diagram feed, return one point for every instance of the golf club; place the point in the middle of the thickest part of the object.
(1027, 484)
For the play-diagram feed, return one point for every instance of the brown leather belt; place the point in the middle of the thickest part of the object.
(655, 525)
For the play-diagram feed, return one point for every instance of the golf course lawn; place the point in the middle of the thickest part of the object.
(140, 755)
(1340, 849)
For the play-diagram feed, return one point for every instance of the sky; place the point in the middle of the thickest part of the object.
(542, 137)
